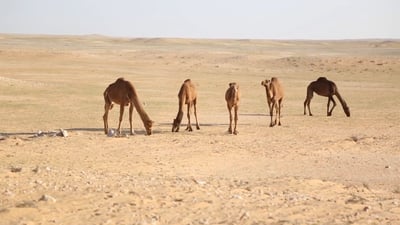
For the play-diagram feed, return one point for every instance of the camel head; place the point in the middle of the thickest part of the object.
(265, 83)
(232, 84)
(148, 125)
(177, 122)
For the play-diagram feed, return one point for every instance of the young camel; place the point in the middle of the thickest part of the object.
(327, 88)
(187, 95)
(274, 91)
(232, 96)
(123, 93)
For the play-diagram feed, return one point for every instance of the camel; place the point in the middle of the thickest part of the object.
(274, 91)
(123, 93)
(232, 96)
(327, 88)
(187, 95)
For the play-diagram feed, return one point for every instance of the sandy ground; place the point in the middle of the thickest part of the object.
(310, 170)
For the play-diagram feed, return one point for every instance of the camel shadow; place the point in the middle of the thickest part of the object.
(201, 124)
(86, 129)
(253, 114)
(53, 132)
(123, 130)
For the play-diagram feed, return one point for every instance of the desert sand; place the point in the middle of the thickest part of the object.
(310, 170)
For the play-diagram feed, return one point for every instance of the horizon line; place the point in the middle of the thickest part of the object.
(202, 38)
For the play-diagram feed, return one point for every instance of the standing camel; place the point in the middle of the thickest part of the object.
(327, 88)
(187, 95)
(275, 95)
(123, 93)
(232, 96)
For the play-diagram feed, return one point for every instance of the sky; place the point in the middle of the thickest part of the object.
(234, 19)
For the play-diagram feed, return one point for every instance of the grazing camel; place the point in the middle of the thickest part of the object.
(327, 88)
(232, 96)
(187, 95)
(123, 93)
(275, 95)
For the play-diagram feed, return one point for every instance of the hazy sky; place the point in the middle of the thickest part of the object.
(261, 19)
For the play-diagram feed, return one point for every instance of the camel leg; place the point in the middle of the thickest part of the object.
(271, 112)
(279, 112)
(105, 117)
(195, 115)
(189, 125)
(276, 112)
(307, 103)
(121, 113)
(329, 112)
(131, 118)
(308, 106)
(236, 119)
(230, 119)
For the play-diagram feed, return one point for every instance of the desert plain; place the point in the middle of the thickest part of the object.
(311, 170)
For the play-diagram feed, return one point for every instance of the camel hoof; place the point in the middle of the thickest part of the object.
(236, 132)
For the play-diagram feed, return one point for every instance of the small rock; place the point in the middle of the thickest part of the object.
(47, 198)
(387, 167)
(200, 182)
(366, 208)
(36, 169)
(245, 215)
(16, 169)
(111, 133)
(63, 133)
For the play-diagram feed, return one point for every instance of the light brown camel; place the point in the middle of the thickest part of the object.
(123, 93)
(232, 96)
(327, 88)
(274, 91)
(187, 95)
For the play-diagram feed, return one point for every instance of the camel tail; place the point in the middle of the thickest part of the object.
(346, 109)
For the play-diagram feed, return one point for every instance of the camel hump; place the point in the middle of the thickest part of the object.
(274, 79)
(187, 80)
(121, 79)
(322, 79)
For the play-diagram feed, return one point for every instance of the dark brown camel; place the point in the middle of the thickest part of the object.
(326, 88)
(232, 96)
(123, 93)
(187, 95)
(275, 94)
